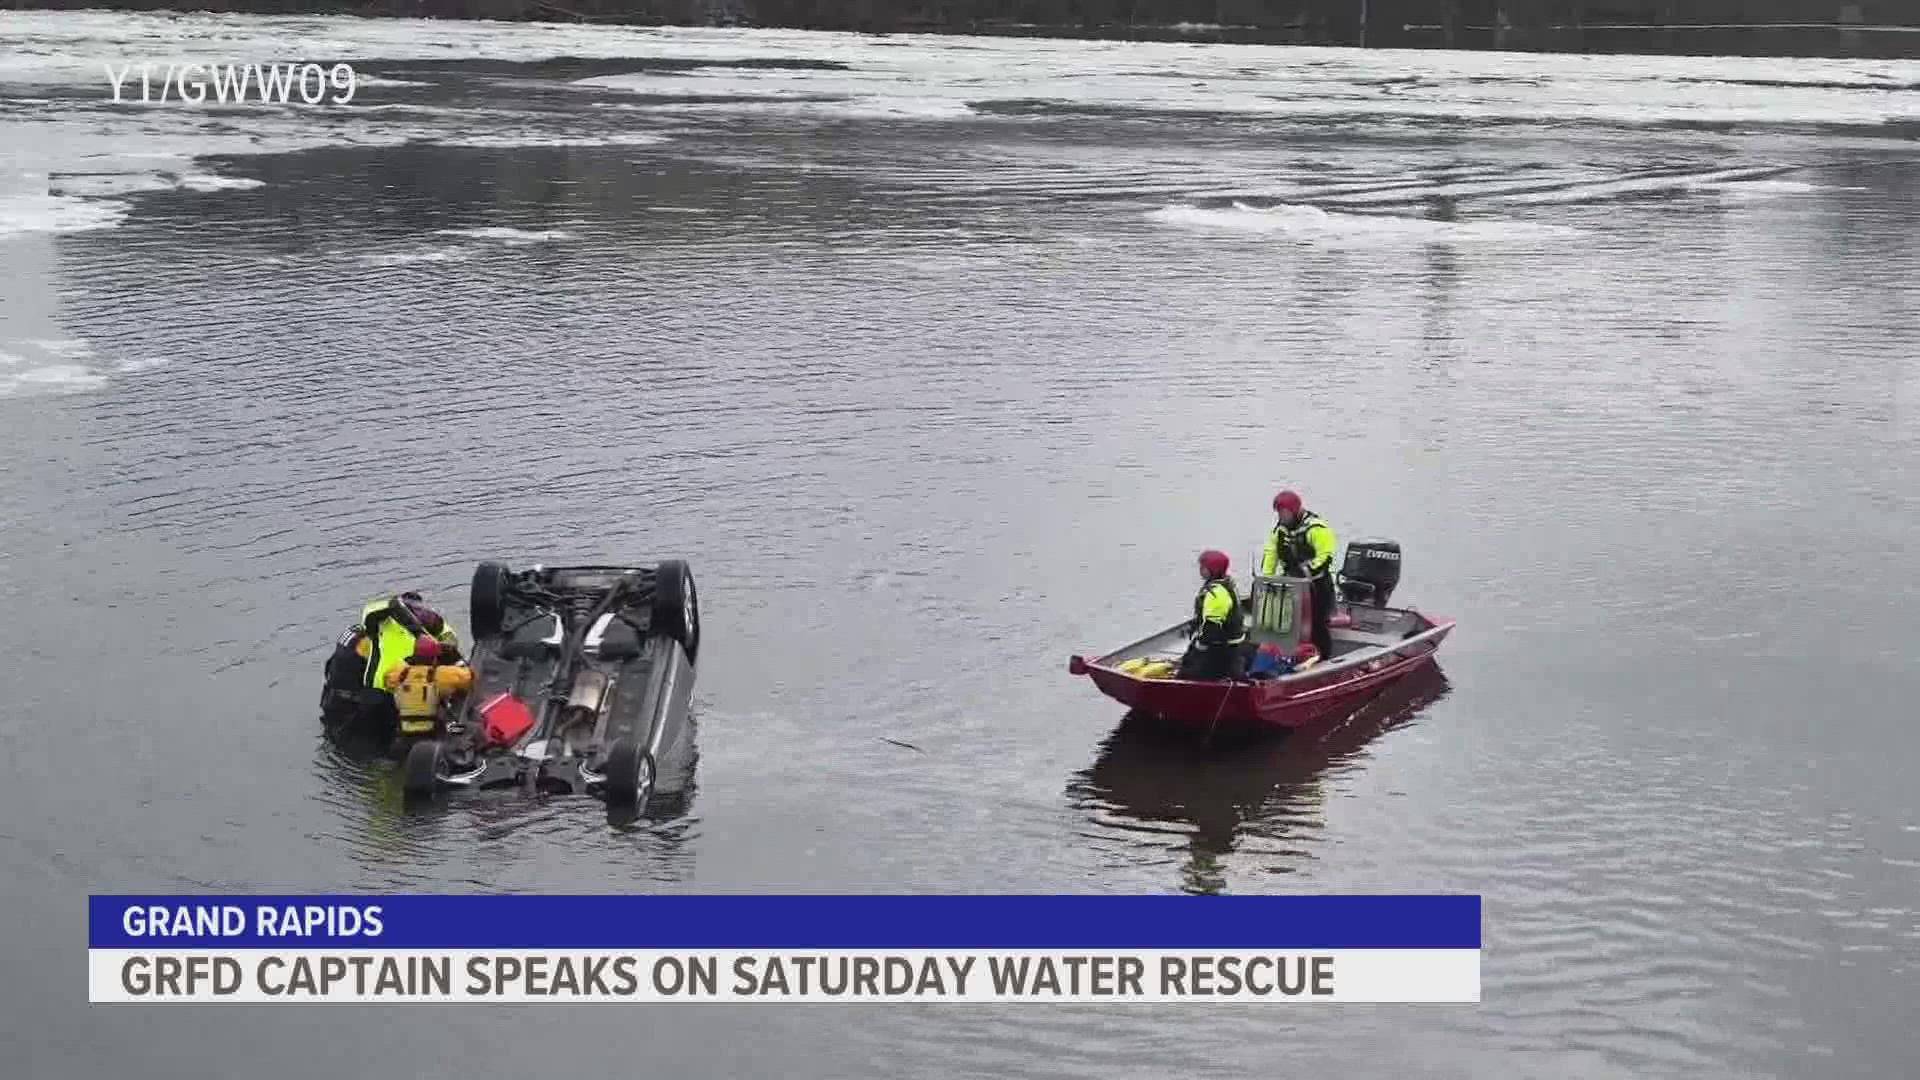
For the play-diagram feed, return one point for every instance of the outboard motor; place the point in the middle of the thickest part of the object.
(1371, 572)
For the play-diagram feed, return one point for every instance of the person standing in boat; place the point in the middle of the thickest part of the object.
(1303, 545)
(1218, 626)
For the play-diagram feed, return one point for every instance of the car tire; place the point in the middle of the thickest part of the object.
(487, 601)
(629, 772)
(676, 605)
(420, 774)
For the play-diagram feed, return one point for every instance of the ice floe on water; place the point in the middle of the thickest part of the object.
(51, 379)
(20, 213)
(942, 75)
(64, 202)
(1658, 184)
(44, 367)
(61, 346)
(129, 183)
(1391, 204)
(87, 185)
(1312, 222)
(507, 235)
(508, 140)
(210, 182)
(410, 258)
(1760, 189)
(870, 107)
(462, 245)
(55, 366)
(48, 367)
(88, 152)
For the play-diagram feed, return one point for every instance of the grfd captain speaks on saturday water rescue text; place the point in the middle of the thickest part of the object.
(713, 977)
(770, 949)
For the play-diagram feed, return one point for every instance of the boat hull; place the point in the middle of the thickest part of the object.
(1297, 700)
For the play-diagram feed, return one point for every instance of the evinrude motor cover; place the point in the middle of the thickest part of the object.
(1371, 572)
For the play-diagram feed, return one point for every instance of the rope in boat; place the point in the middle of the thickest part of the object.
(1225, 696)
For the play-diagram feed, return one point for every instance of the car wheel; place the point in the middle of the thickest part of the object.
(676, 605)
(420, 774)
(487, 602)
(629, 771)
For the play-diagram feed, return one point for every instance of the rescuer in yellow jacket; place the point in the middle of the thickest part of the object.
(1303, 545)
(1218, 626)
(392, 631)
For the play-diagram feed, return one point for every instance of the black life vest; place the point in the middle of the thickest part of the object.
(1295, 549)
(1234, 629)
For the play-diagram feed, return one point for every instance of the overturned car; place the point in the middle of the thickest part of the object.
(580, 681)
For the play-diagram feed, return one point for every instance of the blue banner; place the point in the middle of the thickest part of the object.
(784, 922)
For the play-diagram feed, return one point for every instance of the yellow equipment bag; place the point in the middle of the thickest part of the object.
(1145, 667)
(1159, 669)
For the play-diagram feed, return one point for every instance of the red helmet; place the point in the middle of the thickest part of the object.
(429, 619)
(1287, 502)
(1213, 563)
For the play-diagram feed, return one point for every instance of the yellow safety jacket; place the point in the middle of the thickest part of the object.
(1217, 615)
(389, 642)
(1308, 544)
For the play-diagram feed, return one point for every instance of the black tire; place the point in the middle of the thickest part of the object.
(629, 771)
(420, 774)
(487, 602)
(676, 605)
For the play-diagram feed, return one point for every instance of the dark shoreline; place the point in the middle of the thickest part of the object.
(1863, 29)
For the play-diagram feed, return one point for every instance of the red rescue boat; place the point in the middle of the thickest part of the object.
(1374, 646)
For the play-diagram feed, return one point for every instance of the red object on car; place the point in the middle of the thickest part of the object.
(505, 718)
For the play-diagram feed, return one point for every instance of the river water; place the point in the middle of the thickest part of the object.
(939, 359)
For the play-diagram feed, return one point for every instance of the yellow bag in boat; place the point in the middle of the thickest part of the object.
(1158, 669)
(1133, 666)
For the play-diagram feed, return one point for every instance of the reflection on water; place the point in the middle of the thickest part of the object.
(1150, 779)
